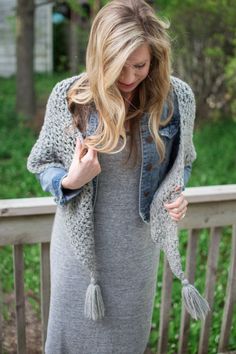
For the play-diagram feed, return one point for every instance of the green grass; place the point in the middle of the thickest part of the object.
(216, 164)
(216, 154)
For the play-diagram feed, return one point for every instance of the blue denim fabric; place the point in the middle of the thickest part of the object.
(51, 179)
(152, 171)
(187, 174)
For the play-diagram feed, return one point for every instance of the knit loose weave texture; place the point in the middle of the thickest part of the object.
(55, 147)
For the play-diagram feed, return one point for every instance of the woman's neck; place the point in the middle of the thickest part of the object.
(128, 98)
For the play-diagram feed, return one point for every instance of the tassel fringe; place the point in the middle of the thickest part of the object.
(195, 304)
(94, 306)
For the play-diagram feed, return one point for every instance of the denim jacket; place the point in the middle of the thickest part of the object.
(152, 172)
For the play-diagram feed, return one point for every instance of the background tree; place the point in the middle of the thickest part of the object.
(204, 48)
(25, 93)
(79, 24)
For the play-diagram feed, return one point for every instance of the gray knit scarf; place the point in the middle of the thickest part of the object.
(55, 147)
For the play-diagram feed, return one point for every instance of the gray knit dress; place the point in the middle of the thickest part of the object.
(127, 263)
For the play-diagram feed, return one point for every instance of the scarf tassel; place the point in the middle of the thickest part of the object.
(195, 304)
(94, 306)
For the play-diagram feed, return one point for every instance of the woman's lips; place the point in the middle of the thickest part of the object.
(128, 86)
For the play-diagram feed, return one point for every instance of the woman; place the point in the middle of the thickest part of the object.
(116, 151)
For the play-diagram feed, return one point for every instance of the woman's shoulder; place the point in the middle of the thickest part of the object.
(182, 89)
(186, 101)
(60, 90)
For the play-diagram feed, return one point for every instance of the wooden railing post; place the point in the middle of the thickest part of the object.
(210, 287)
(20, 298)
(167, 281)
(190, 275)
(230, 301)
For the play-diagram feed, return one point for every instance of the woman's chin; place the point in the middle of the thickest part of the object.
(127, 88)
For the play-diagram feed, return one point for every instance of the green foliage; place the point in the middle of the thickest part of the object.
(75, 6)
(230, 73)
(215, 146)
(60, 56)
(204, 48)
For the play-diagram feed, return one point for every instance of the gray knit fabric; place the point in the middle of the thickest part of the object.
(127, 262)
(55, 147)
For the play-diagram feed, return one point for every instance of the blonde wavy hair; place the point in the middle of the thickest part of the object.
(118, 29)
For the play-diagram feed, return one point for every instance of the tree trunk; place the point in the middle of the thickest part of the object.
(97, 4)
(73, 43)
(25, 93)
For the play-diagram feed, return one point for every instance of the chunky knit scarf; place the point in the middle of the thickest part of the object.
(55, 147)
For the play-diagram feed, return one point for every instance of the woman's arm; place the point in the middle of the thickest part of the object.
(43, 153)
(45, 159)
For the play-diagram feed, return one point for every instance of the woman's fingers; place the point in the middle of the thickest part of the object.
(78, 147)
(80, 152)
(91, 154)
(178, 214)
(181, 207)
(178, 208)
(176, 204)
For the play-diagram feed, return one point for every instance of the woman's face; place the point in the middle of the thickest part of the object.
(135, 69)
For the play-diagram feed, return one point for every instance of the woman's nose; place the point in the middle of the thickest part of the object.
(127, 76)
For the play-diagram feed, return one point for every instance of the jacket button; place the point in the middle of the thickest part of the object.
(149, 139)
(149, 167)
(146, 193)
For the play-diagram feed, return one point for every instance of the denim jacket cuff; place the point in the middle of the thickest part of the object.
(63, 195)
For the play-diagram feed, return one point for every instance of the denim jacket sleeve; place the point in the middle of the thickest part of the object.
(187, 174)
(51, 179)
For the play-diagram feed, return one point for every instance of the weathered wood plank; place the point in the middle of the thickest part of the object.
(16, 230)
(45, 288)
(25, 230)
(211, 214)
(20, 298)
(193, 238)
(27, 206)
(167, 281)
(209, 288)
(230, 302)
(211, 193)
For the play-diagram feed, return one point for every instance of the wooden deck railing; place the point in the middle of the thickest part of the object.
(29, 221)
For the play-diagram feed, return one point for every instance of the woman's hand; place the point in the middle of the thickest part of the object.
(82, 169)
(178, 208)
